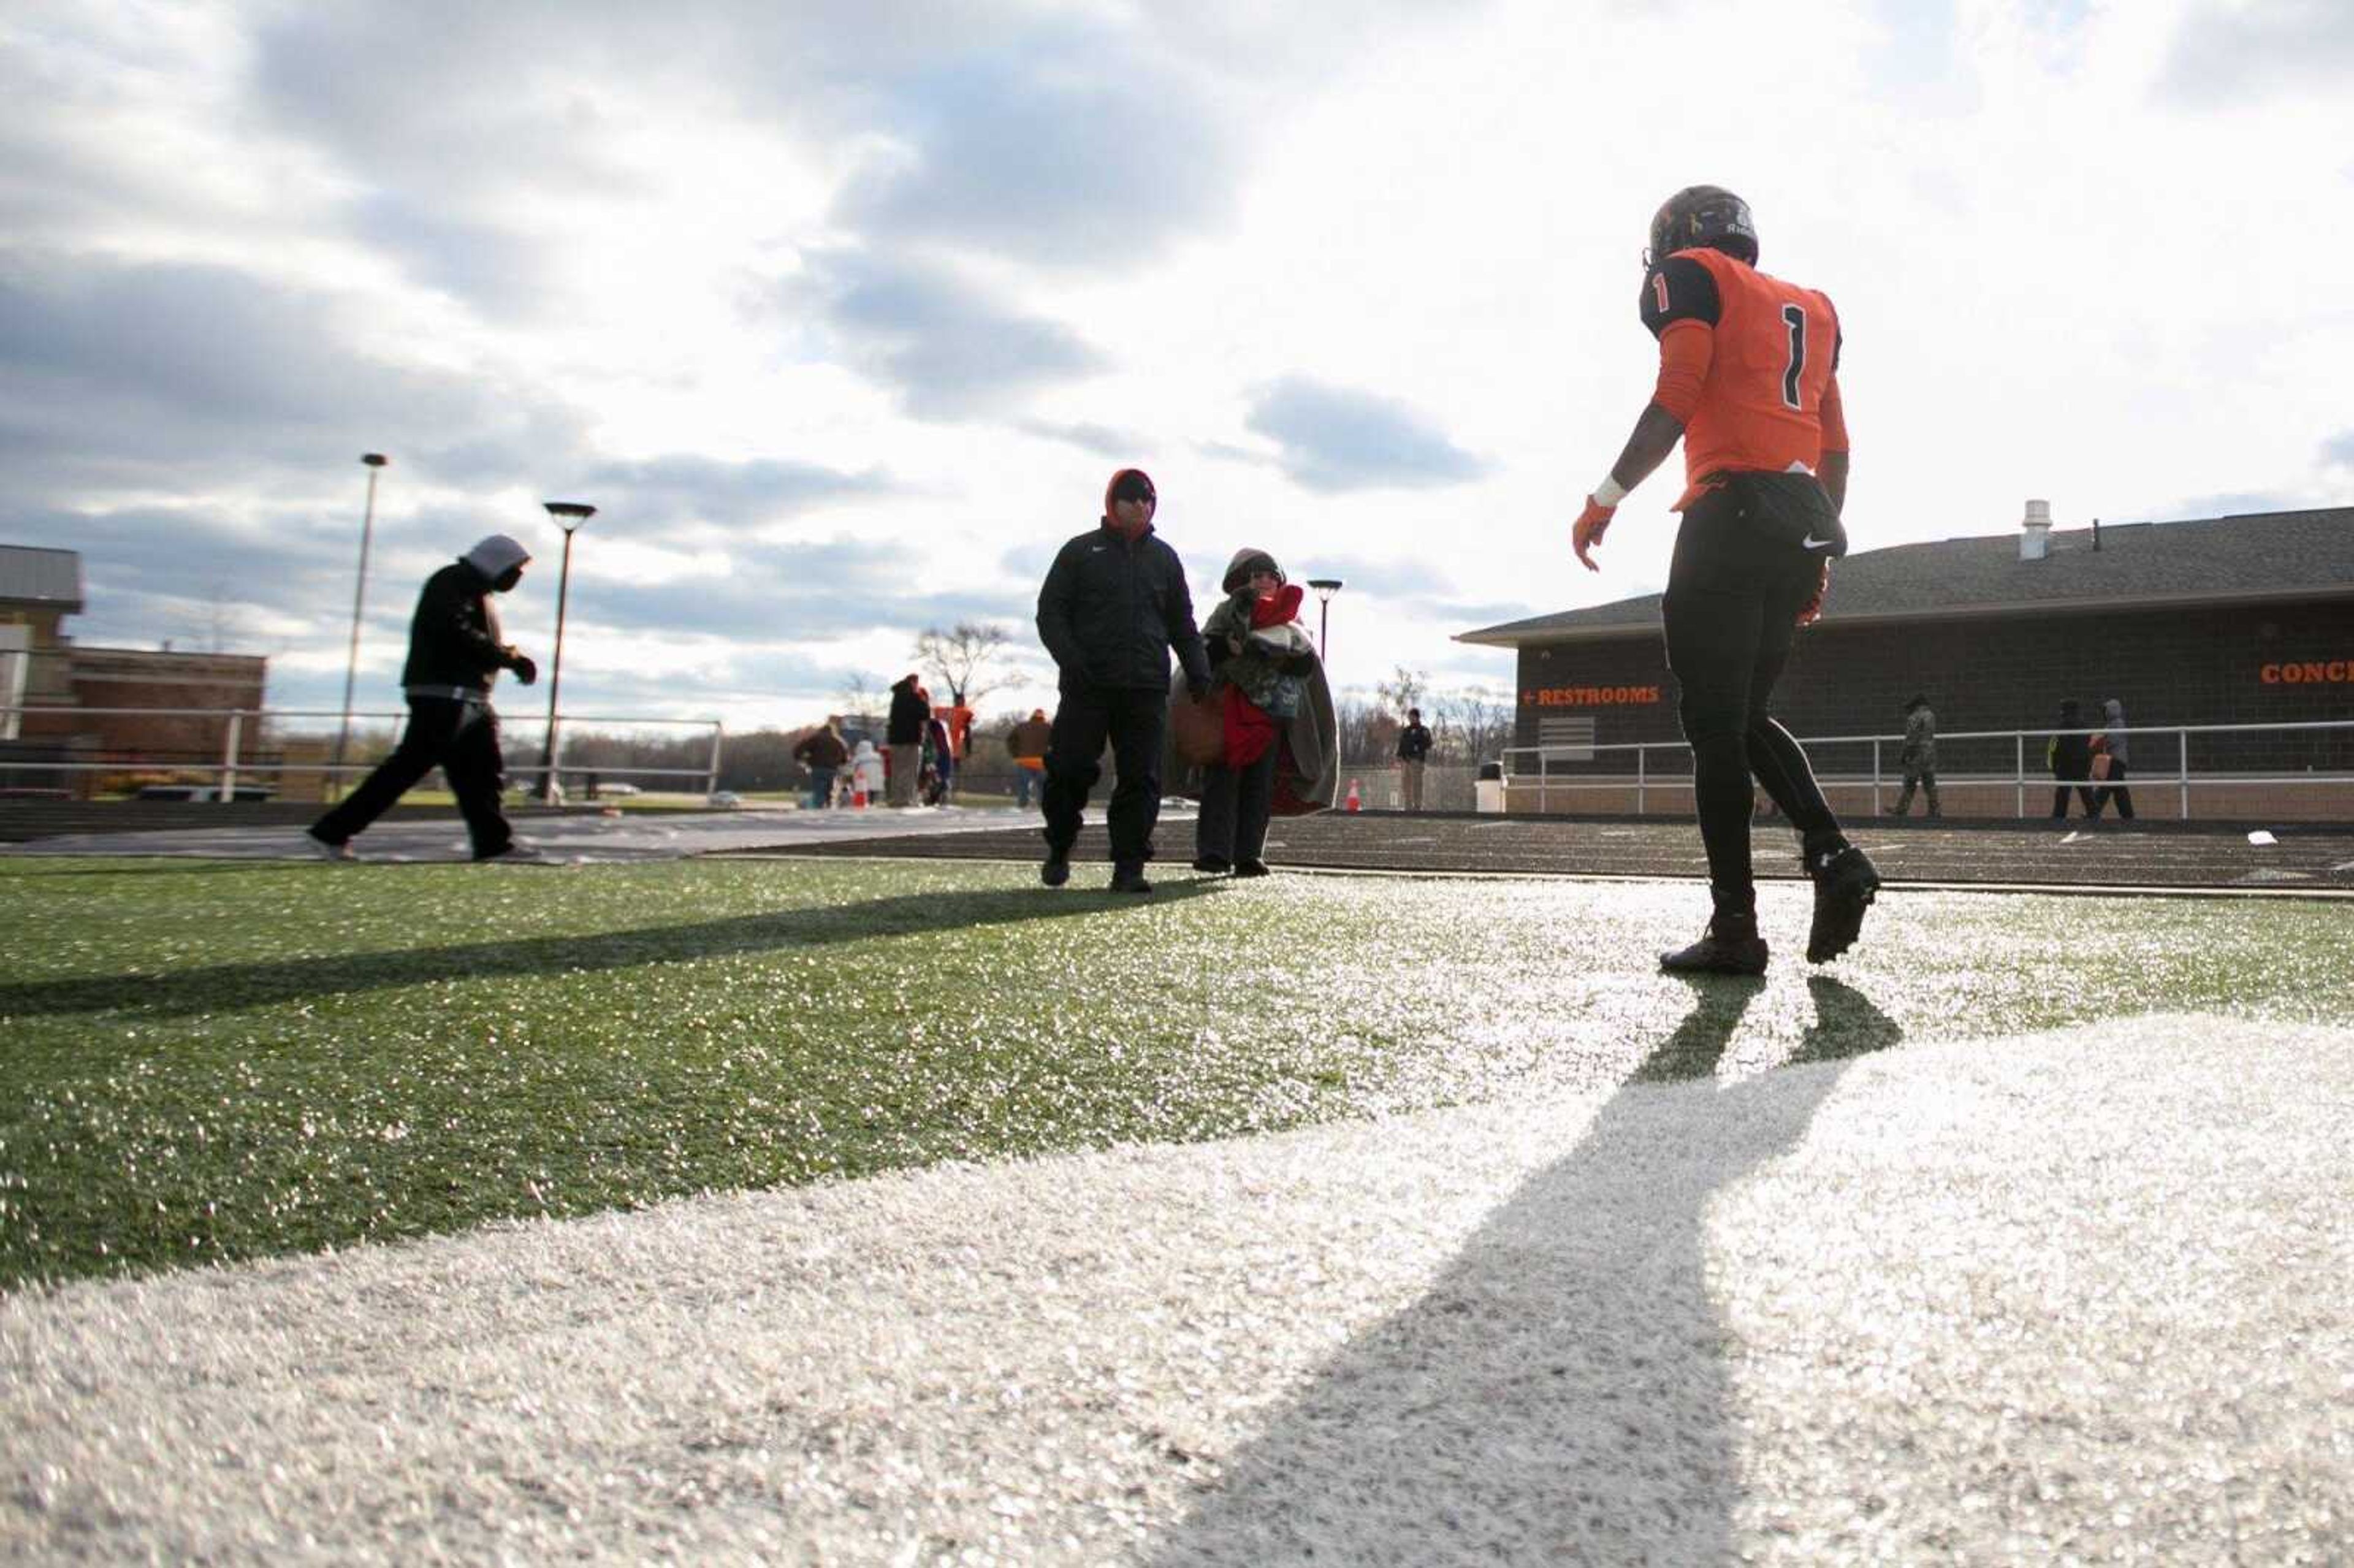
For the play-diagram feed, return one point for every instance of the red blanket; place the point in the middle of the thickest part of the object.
(1249, 730)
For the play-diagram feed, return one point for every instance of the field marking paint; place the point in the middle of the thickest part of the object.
(1184, 1363)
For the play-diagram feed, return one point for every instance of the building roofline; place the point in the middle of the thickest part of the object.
(62, 603)
(1503, 636)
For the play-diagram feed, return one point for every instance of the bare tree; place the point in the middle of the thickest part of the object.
(969, 658)
(1472, 725)
(1367, 733)
(1405, 689)
(216, 620)
(859, 697)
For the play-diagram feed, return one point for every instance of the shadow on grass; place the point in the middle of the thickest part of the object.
(153, 866)
(224, 987)
(1560, 1392)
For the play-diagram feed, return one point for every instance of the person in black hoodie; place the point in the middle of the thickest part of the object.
(1413, 758)
(1114, 605)
(454, 654)
(903, 733)
(2070, 756)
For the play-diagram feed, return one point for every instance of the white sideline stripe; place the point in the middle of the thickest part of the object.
(2071, 1293)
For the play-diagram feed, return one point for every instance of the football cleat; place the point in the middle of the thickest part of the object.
(1725, 948)
(327, 849)
(1845, 882)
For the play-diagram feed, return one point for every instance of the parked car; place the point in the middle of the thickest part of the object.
(618, 791)
(727, 799)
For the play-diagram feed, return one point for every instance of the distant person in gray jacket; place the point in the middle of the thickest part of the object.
(1919, 757)
(2114, 744)
(454, 654)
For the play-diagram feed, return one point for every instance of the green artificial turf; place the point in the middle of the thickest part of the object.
(210, 1060)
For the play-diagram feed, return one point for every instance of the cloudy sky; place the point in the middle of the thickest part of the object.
(843, 312)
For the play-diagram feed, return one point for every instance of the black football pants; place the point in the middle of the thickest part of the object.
(460, 738)
(1134, 721)
(1731, 610)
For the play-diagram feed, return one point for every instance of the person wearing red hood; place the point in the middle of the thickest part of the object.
(454, 654)
(1262, 657)
(1113, 607)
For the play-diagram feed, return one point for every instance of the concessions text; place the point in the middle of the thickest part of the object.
(2308, 673)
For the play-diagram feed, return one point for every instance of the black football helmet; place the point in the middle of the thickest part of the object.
(1707, 215)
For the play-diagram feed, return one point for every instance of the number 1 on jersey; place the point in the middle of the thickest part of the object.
(1794, 318)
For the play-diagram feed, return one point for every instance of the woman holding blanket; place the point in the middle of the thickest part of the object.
(1263, 660)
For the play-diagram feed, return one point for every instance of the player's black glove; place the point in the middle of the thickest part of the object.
(524, 669)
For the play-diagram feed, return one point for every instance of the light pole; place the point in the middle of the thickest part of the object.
(568, 515)
(375, 460)
(1325, 589)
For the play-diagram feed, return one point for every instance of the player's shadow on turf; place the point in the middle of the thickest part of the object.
(223, 987)
(1560, 1394)
(27, 871)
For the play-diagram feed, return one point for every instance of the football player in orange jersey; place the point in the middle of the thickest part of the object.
(1748, 382)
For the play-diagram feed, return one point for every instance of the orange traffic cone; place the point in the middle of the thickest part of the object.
(1355, 801)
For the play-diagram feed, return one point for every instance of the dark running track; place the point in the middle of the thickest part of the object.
(2173, 856)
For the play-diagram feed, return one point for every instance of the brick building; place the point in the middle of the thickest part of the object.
(41, 667)
(38, 589)
(2228, 620)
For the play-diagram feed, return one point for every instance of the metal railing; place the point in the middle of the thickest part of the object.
(237, 756)
(1646, 781)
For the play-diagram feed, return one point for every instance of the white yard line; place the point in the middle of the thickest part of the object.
(2074, 1293)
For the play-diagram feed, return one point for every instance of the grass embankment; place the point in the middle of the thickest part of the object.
(214, 1061)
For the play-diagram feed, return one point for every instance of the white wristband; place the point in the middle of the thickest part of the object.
(1609, 492)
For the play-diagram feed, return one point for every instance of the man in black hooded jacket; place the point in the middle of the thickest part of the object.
(454, 654)
(2070, 755)
(1115, 603)
(902, 732)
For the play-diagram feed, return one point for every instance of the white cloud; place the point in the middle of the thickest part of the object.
(843, 312)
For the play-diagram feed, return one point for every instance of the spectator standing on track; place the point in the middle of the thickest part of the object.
(1262, 659)
(1026, 743)
(1113, 607)
(823, 754)
(2116, 745)
(1748, 382)
(902, 732)
(454, 655)
(958, 716)
(1919, 757)
(2070, 756)
(939, 760)
(1413, 757)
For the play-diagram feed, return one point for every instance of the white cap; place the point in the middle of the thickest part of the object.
(495, 556)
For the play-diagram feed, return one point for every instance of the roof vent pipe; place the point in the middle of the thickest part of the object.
(2035, 531)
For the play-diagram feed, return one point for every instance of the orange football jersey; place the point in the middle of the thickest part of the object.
(1775, 347)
